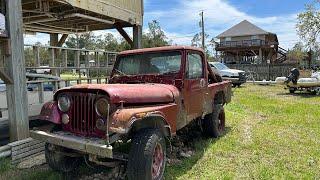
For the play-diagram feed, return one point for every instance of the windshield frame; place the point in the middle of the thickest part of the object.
(115, 71)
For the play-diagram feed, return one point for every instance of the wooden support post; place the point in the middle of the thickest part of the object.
(54, 40)
(260, 55)
(40, 93)
(65, 58)
(98, 64)
(87, 64)
(107, 69)
(15, 68)
(36, 53)
(137, 37)
(77, 64)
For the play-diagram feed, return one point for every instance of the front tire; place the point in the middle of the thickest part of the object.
(59, 162)
(213, 125)
(147, 157)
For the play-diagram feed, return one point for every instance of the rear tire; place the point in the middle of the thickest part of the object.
(213, 125)
(60, 162)
(147, 157)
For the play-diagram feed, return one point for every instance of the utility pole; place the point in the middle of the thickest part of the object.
(202, 27)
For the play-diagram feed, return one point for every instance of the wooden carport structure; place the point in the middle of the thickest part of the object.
(56, 17)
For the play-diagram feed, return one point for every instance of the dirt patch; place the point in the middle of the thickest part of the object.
(32, 162)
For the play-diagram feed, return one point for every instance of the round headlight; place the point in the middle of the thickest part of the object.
(102, 107)
(64, 103)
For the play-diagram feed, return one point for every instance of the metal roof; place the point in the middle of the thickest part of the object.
(244, 28)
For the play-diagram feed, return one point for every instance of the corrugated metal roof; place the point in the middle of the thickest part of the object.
(244, 28)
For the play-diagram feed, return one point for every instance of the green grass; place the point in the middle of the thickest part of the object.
(270, 135)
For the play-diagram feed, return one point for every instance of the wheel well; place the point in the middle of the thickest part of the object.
(151, 122)
(219, 98)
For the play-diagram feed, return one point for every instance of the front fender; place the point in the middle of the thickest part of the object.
(123, 119)
(50, 113)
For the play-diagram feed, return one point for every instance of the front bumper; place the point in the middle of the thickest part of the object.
(85, 145)
(235, 80)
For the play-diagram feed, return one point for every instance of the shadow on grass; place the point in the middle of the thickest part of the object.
(299, 94)
(201, 144)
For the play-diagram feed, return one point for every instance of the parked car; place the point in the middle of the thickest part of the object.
(47, 86)
(2, 86)
(43, 70)
(237, 77)
(153, 94)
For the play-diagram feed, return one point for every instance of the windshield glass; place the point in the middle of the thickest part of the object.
(220, 66)
(149, 63)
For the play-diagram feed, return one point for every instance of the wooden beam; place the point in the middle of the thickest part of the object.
(62, 40)
(124, 34)
(54, 39)
(5, 77)
(15, 67)
(137, 37)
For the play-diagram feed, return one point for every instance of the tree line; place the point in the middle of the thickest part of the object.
(308, 29)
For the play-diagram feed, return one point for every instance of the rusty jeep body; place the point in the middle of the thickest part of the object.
(152, 94)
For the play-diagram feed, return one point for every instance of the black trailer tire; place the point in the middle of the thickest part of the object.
(59, 162)
(147, 157)
(213, 125)
(292, 90)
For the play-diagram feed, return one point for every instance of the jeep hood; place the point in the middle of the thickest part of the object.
(131, 93)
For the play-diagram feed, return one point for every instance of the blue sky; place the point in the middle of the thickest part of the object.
(179, 18)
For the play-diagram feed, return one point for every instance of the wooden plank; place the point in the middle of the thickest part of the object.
(130, 11)
(28, 153)
(62, 40)
(28, 157)
(15, 67)
(17, 143)
(25, 145)
(124, 34)
(27, 149)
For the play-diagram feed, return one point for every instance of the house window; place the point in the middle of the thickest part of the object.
(228, 38)
(254, 37)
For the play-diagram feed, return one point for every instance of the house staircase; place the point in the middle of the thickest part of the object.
(281, 56)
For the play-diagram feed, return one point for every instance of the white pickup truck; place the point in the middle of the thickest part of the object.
(237, 77)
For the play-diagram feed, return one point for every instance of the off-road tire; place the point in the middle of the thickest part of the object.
(59, 162)
(141, 154)
(292, 90)
(213, 125)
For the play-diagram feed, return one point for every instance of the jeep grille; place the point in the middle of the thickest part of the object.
(82, 114)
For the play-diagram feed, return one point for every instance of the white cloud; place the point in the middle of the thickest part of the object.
(181, 22)
(219, 16)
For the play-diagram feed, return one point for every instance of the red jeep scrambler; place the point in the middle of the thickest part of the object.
(152, 94)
